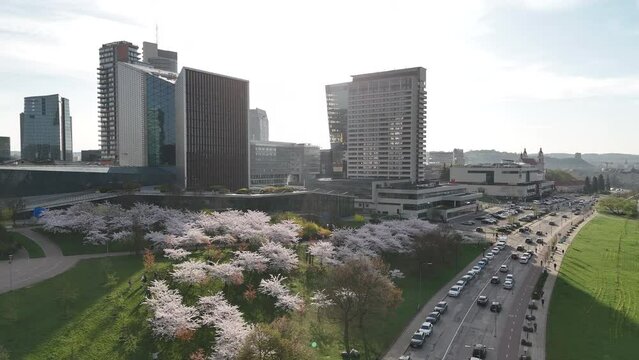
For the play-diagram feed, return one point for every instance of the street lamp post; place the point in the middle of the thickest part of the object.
(10, 272)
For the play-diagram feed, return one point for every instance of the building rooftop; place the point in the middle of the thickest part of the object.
(419, 71)
(508, 164)
(88, 168)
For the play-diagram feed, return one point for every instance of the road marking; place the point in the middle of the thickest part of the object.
(468, 312)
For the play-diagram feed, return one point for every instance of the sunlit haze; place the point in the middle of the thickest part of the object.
(498, 77)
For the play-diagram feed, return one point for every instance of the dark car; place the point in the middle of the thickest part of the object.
(514, 256)
(521, 248)
(432, 317)
(482, 300)
(495, 280)
(529, 241)
(480, 218)
(552, 223)
(441, 307)
(540, 241)
(553, 214)
(468, 223)
(479, 230)
(495, 306)
(480, 351)
(539, 233)
(564, 216)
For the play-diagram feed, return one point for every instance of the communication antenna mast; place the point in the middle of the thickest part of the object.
(157, 36)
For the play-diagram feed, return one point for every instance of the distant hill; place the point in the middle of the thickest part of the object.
(493, 156)
(599, 160)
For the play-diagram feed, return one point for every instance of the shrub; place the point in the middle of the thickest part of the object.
(243, 191)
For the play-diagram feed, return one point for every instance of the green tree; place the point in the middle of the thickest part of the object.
(607, 182)
(277, 340)
(587, 186)
(602, 183)
(594, 188)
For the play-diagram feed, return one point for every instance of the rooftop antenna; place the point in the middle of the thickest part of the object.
(157, 37)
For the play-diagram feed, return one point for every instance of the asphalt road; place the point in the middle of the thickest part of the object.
(465, 323)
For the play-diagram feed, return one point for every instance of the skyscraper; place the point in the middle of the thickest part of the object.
(160, 59)
(386, 131)
(258, 125)
(5, 148)
(211, 117)
(110, 55)
(46, 129)
(145, 115)
(337, 109)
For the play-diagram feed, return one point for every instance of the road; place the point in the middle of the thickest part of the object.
(465, 323)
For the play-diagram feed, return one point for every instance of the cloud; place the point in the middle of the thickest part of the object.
(546, 5)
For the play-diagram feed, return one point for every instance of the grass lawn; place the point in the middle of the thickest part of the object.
(594, 310)
(89, 312)
(34, 250)
(73, 244)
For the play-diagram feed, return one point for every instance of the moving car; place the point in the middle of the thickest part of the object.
(469, 223)
(482, 300)
(418, 339)
(514, 256)
(441, 307)
(495, 280)
(508, 284)
(503, 269)
(433, 317)
(426, 328)
(524, 259)
(479, 352)
(454, 291)
(495, 306)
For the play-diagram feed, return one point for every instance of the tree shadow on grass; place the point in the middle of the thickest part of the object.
(581, 327)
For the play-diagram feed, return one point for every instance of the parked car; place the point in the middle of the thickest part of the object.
(469, 223)
(476, 269)
(553, 214)
(495, 306)
(472, 273)
(466, 278)
(508, 284)
(521, 248)
(441, 307)
(552, 223)
(528, 241)
(490, 255)
(524, 259)
(461, 283)
(433, 317)
(522, 230)
(426, 328)
(514, 256)
(482, 300)
(405, 357)
(539, 241)
(510, 277)
(564, 216)
(479, 230)
(495, 250)
(503, 268)
(418, 339)
(539, 233)
(481, 264)
(455, 291)
(495, 280)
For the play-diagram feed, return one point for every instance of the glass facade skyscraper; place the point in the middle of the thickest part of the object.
(145, 116)
(337, 109)
(46, 129)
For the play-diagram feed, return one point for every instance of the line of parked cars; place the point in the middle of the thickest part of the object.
(426, 329)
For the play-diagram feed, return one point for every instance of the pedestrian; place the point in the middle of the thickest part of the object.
(543, 300)
(129, 284)
(555, 264)
(542, 263)
(535, 325)
(562, 251)
(144, 278)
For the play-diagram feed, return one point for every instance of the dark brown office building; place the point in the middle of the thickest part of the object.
(211, 113)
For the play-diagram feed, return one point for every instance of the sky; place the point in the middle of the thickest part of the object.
(501, 75)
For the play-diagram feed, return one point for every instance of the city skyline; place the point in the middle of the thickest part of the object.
(565, 80)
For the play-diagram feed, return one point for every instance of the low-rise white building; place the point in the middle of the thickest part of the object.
(524, 179)
(408, 200)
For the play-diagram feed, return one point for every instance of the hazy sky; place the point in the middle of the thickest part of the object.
(561, 75)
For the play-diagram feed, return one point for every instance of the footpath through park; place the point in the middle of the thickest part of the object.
(23, 271)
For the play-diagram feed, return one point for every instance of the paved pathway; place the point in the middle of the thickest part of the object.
(538, 339)
(23, 272)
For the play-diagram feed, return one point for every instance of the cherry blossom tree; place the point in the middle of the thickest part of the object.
(170, 315)
(251, 261)
(230, 328)
(191, 272)
(284, 299)
(323, 250)
(176, 254)
(228, 273)
(280, 258)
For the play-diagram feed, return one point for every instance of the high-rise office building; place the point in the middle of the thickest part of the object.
(45, 129)
(110, 55)
(258, 125)
(337, 109)
(5, 148)
(211, 117)
(160, 59)
(282, 163)
(386, 131)
(145, 115)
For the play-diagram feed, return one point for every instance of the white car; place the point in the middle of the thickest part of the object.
(467, 278)
(524, 259)
(454, 291)
(461, 283)
(510, 277)
(476, 269)
(495, 250)
(503, 268)
(490, 255)
(426, 328)
(501, 244)
(508, 284)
